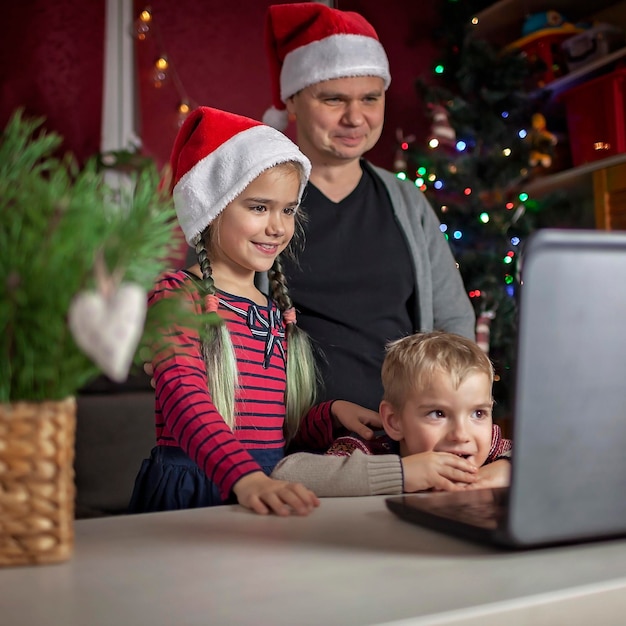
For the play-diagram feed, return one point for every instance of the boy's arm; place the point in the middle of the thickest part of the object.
(500, 447)
(496, 474)
(335, 476)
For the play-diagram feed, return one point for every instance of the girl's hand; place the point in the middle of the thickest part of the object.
(265, 495)
(355, 418)
(441, 471)
(496, 474)
(148, 369)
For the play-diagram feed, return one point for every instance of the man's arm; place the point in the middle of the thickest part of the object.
(443, 300)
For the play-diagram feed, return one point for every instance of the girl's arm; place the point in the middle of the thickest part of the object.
(190, 418)
(264, 494)
(187, 413)
(321, 425)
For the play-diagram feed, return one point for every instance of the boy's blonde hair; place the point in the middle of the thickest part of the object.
(411, 362)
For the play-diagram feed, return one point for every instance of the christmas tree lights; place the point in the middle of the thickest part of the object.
(474, 167)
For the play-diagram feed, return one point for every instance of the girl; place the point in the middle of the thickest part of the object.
(228, 399)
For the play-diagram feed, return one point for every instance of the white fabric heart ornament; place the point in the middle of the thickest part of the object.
(108, 328)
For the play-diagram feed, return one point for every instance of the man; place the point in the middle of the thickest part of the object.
(375, 266)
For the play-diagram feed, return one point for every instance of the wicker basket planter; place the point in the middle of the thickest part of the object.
(37, 482)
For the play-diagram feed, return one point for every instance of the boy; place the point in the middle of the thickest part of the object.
(437, 416)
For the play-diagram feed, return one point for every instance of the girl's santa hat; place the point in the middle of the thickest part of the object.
(216, 155)
(309, 42)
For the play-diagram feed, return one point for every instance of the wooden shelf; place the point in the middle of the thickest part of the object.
(583, 73)
(502, 22)
(575, 177)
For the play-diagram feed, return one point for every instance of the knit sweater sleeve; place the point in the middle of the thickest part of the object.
(501, 448)
(187, 413)
(358, 474)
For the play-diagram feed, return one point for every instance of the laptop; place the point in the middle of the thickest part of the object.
(568, 474)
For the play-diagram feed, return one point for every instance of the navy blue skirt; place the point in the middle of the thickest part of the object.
(169, 480)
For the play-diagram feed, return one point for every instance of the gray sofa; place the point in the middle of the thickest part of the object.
(114, 433)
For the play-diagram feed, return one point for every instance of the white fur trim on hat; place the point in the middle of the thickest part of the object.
(336, 56)
(275, 118)
(215, 181)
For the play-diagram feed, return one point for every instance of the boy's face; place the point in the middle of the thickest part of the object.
(440, 418)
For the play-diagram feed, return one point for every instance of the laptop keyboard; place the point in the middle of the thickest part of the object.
(484, 508)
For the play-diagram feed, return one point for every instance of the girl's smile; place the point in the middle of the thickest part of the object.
(254, 228)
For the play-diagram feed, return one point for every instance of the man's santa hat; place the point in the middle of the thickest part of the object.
(309, 42)
(216, 155)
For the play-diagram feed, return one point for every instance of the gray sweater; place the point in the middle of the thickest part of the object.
(442, 300)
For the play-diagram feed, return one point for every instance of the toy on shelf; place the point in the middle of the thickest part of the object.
(594, 43)
(541, 141)
(545, 20)
(441, 131)
(403, 141)
(543, 34)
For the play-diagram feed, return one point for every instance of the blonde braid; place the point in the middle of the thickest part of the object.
(302, 376)
(217, 346)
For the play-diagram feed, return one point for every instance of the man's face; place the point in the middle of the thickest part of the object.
(340, 119)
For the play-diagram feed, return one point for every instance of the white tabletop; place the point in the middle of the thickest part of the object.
(350, 562)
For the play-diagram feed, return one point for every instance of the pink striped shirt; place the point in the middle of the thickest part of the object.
(185, 415)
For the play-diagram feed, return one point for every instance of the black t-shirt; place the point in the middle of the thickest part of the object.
(353, 287)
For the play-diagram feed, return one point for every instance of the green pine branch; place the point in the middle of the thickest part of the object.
(55, 220)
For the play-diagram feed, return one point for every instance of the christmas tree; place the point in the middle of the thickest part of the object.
(488, 141)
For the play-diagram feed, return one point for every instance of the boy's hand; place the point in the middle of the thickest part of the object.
(265, 495)
(437, 470)
(355, 418)
(496, 474)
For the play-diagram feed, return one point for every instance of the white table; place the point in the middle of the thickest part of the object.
(350, 562)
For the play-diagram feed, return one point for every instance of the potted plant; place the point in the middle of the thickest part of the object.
(76, 260)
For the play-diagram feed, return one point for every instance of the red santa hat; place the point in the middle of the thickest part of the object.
(309, 42)
(216, 155)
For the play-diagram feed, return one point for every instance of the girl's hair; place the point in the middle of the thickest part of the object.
(302, 375)
(218, 350)
(411, 362)
(217, 346)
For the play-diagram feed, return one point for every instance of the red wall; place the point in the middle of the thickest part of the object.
(51, 63)
(405, 30)
(218, 54)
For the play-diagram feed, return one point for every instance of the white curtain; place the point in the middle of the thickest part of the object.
(119, 111)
